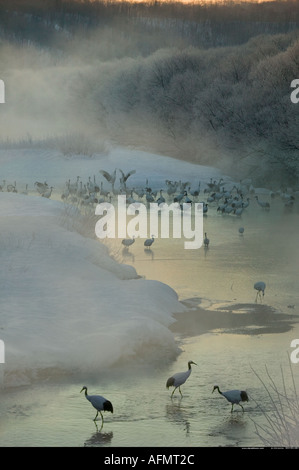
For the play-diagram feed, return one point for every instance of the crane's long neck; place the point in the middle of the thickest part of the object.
(219, 391)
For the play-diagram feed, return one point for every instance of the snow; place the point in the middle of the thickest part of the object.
(65, 303)
(30, 165)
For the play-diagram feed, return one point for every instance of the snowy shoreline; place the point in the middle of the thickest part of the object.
(66, 304)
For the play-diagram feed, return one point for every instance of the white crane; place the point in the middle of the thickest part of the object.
(149, 241)
(195, 192)
(206, 241)
(12, 188)
(179, 378)
(260, 286)
(41, 187)
(161, 198)
(263, 204)
(233, 396)
(124, 177)
(48, 193)
(109, 177)
(128, 241)
(99, 403)
(238, 211)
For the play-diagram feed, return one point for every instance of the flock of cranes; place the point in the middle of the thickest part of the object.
(225, 198)
(235, 397)
(231, 201)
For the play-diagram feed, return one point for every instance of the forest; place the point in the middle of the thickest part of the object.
(204, 82)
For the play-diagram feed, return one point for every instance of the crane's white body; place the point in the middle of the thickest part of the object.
(179, 378)
(233, 396)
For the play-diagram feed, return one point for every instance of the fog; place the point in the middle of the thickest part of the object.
(155, 82)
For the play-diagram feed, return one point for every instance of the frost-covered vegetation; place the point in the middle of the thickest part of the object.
(208, 83)
(281, 420)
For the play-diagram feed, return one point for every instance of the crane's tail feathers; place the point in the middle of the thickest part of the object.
(170, 382)
(108, 406)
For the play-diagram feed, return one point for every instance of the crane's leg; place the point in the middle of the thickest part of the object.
(241, 407)
(180, 391)
(232, 408)
(102, 419)
(96, 416)
(173, 391)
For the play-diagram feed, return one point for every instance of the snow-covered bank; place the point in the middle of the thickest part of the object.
(65, 304)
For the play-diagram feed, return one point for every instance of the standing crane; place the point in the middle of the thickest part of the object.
(206, 241)
(260, 286)
(149, 241)
(99, 403)
(263, 204)
(233, 396)
(128, 241)
(179, 379)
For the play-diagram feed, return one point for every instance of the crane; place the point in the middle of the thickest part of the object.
(99, 403)
(260, 286)
(233, 396)
(109, 177)
(149, 241)
(128, 241)
(263, 204)
(179, 378)
(206, 241)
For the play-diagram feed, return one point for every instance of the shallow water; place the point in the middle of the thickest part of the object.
(230, 337)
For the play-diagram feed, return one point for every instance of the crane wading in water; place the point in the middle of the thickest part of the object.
(99, 403)
(233, 396)
(179, 379)
(260, 286)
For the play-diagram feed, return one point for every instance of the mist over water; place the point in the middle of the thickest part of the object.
(156, 79)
